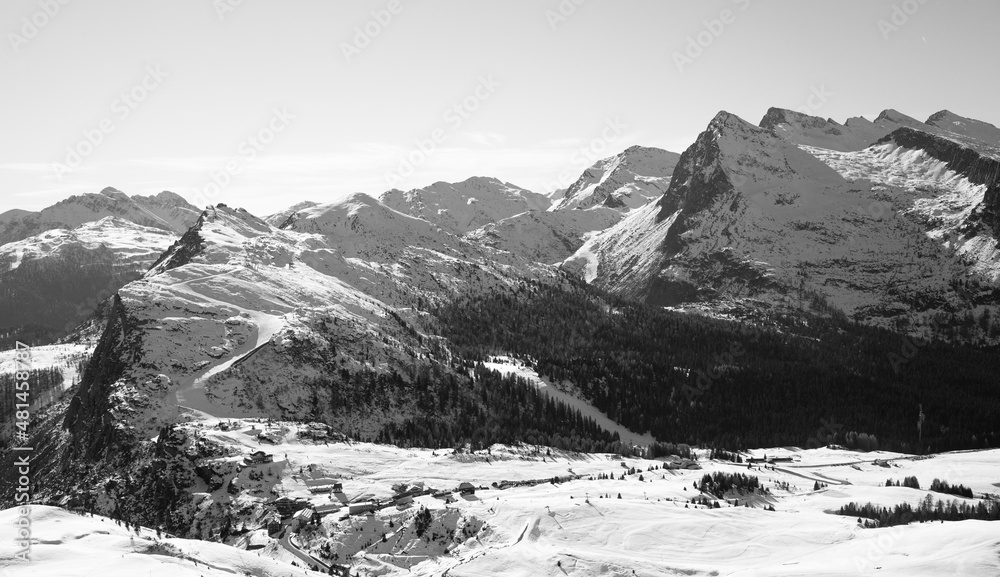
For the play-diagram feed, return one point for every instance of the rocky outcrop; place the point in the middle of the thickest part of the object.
(90, 417)
(979, 166)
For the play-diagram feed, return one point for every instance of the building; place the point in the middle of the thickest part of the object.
(467, 488)
(322, 510)
(287, 507)
(301, 518)
(258, 458)
(361, 508)
(325, 485)
(402, 500)
(258, 540)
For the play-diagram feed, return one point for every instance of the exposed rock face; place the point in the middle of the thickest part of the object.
(183, 250)
(623, 182)
(978, 166)
(91, 417)
(883, 233)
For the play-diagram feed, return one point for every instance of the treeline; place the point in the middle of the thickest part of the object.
(500, 409)
(658, 449)
(928, 510)
(42, 385)
(688, 378)
(937, 485)
(44, 298)
(450, 410)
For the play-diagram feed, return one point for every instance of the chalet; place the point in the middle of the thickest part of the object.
(286, 507)
(467, 488)
(317, 431)
(258, 458)
(361, 508)
(402, 500)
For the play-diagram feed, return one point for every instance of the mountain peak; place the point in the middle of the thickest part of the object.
(939, 115)
(112, 192)
(967, 127)
(624, 181)
(895, 117)
(464, 206)
(728, 120)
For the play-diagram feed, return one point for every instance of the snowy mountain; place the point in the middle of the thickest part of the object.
(594, 202)
(133, 244)
(398, 320)
(58, 265)
(239, 318)
(463, 206)
(754, 220)
(625, 181)
(278, 218)
(968, 127)
(545, 236)
(166, 211)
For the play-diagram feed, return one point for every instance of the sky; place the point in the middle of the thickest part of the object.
(262, 104)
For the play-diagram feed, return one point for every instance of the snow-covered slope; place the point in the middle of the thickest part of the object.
(463, 206)
(641, 521)
(545, 236)
(278, 218)
(166, 211)
(134, 244)
(70, 544)
(238, 318)
(625, 181)
(750, 217)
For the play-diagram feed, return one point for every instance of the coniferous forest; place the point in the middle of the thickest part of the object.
(43, 299)
(796, 380)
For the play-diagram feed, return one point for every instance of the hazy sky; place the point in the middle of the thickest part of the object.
(293, 100)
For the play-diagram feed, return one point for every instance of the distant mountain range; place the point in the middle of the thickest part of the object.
(348, 312)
